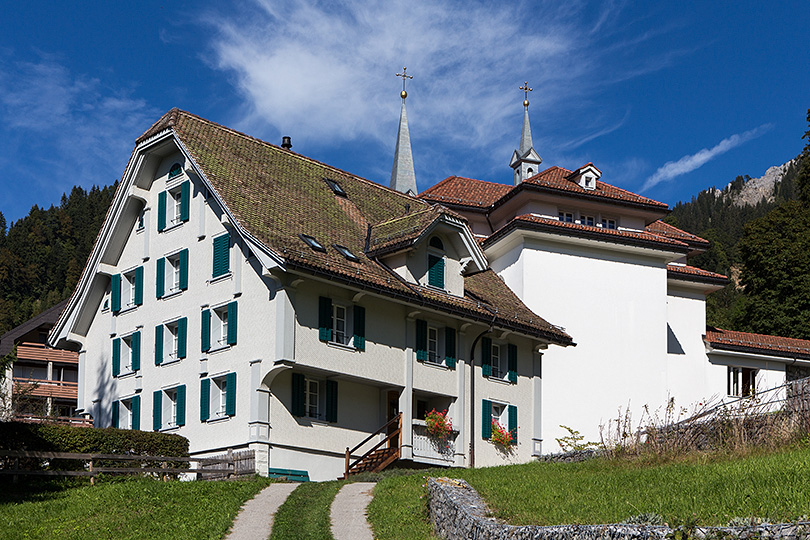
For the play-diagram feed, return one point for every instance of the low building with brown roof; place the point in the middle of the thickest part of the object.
(246, 296)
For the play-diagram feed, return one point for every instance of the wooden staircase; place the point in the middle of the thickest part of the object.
(376, 459)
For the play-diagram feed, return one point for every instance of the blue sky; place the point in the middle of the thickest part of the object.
(666, 98)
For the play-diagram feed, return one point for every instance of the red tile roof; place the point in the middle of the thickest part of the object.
(277, 194)
(692, 273)
(478, 193)
(555, 226)
(665, 229)
(757, 343)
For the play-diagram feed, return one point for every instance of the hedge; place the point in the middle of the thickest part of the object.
(60, 438)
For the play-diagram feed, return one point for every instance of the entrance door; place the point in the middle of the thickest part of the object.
(392, 412)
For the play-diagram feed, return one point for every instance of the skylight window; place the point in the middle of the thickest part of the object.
(334, 186)
(311, 242)
(346, 253)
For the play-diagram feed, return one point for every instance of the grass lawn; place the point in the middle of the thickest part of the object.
(305, 513)
(136, 508)
(702, 490)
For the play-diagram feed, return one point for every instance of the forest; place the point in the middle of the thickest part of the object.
(43, 254)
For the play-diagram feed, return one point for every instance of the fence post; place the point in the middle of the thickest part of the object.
(346, 465)
(92, 476)
(164, 466)
(231, 464)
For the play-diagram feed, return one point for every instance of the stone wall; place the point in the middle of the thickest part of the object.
(458, 513)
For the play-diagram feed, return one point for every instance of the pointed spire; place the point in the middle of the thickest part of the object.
(525, 160)
(402, 176)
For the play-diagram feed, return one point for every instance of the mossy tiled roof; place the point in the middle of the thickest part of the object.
(277, 194)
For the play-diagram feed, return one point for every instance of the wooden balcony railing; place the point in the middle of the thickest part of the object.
(45, 388)
(42, 353)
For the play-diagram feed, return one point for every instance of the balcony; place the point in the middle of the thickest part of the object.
(429, 449)
(42, 353)
(45, 388)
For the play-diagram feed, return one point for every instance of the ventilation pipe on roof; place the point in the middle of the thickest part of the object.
(286, 142)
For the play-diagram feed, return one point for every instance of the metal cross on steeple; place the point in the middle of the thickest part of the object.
(404, 76)
(526, 91)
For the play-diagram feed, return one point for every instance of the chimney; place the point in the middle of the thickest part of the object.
(286, 143)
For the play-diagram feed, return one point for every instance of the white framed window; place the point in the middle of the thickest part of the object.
(174, 206)
(219, 396)
(312, 398)
(170, 407)
(340, 327)
(125, 415)
(608, 223)
(141, 224)
(172, 273)
(567, 217)
(171, 341)
(219, 326)
(128, 285)
(435, 345)
(126, 355)
(741, 381)
(499, 368)
(105, 303)
(499, 413)
(587, 220)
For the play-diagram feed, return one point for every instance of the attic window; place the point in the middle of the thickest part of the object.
(311, 242)
(436, 242)
(346, 253)
(334, 186)
(175, 171)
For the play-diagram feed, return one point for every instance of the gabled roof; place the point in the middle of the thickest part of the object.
(403, 232)
(617, 236)
(729, 340)
(557, 180)
(274, 195)
(45, 319)
(692, 273)
(665, 229)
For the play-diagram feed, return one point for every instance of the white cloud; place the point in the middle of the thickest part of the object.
(322, 71)
(687, 164)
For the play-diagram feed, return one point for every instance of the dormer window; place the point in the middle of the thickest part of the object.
(175, 171)
(589, 182)
(586, 177)
(608, 223)
(311, 242)
(436, 262)
(567, 217)
(587, 220)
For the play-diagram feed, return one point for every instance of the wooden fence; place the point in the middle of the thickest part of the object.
(230, 465)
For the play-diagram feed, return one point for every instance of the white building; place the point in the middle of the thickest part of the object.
(598, 260)
(245, 296)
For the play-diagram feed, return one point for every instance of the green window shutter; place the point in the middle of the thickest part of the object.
(486, 419)
(232, 320)
(359, 328)
(139, 286)
(513, 424)
(182, 331)
(115, 293)
(158, 344)
(136, 412)
(136, 351)
(221, 255)
(116, 357)
(436, 271)
(512, 362)
(205, 399)
(450, 347)
(161, 222)
(230, 394)
(185, 196)
(183, 259)
(205, 334)
(181, 405)
(298, 398)
(421, 340)
(115, 406)
(160, 278)
(486, 356)
(324, 319)
(331, 400)
(157, 410)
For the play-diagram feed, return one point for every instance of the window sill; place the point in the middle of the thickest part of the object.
(169, 429)
(218, 419)
(341, 346)
(223, 277)
(436, 365)
(173, 226)
(126, 375)
(172, 294)
(500, 380)
(219, 348)
(169, 362)
(126, 309)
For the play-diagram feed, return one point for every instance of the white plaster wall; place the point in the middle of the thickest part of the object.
(614, 306)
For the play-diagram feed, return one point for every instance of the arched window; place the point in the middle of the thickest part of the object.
(436, 262)
(175, 171)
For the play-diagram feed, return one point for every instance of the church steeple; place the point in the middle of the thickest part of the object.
(402, 176)
(525, 160)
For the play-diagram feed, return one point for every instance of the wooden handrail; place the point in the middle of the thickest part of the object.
(396, 433)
